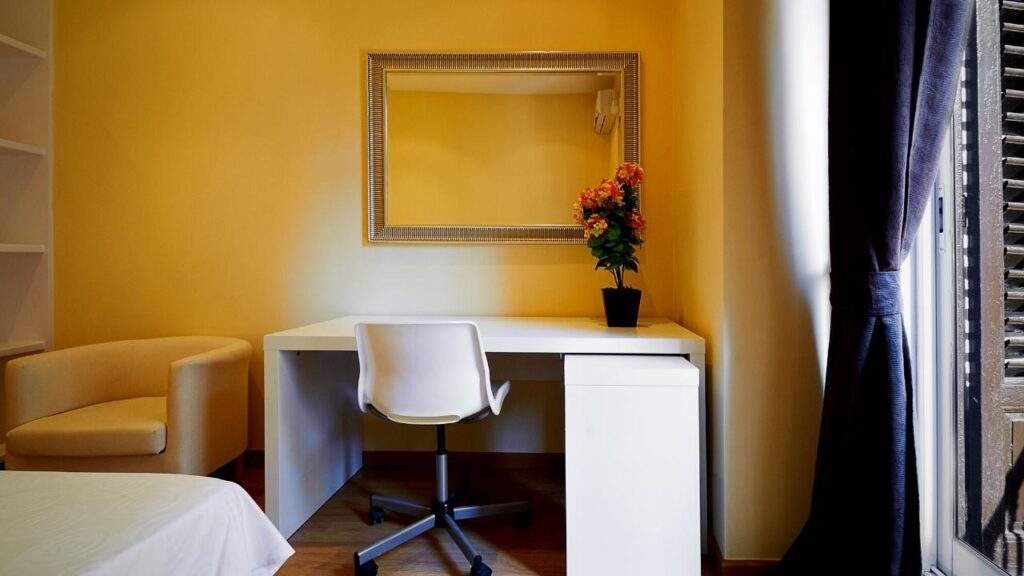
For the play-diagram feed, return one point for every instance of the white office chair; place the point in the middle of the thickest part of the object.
(428, 374)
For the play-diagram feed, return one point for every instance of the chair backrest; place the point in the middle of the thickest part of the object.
(423, 372)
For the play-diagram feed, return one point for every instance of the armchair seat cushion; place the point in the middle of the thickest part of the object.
(132, 427)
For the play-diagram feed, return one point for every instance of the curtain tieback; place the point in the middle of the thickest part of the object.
(871, 294)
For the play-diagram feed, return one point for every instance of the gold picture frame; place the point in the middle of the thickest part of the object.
(380, 63)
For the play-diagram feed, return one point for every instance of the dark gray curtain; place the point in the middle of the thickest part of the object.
(893, 70)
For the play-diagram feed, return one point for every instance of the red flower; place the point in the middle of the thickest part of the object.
(609, 227)
(637, 223)
(629, 174)
(589, 199)
(610, 193)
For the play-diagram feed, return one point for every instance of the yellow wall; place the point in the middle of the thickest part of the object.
(209, 178)
(775, 270)
(751, 251)
(210, 167)
(697, 106)
(491, 159)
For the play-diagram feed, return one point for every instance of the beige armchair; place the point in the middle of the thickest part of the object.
(160, 405)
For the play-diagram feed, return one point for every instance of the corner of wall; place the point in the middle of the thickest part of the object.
(698, 180)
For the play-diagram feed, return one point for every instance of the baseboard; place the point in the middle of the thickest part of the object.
(473, 460)
(724, 567)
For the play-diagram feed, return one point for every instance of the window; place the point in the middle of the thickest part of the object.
(980, 305)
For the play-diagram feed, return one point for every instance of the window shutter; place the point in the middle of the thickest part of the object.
(1012, 44)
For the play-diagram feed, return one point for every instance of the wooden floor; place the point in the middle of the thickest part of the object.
(325, 544)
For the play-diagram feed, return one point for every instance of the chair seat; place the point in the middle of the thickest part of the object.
(132, 427)
(500, 391)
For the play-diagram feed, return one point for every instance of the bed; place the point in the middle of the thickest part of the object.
(140, 524)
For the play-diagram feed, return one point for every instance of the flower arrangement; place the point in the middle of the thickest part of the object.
(611, 220)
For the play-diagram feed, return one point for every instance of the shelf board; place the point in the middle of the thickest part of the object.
(11, 48)
(22, 249)
(16, 347)
(12, 147)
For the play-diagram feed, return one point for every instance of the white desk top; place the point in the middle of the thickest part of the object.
(514, 334)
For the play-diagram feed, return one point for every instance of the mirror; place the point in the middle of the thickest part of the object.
(494, 147)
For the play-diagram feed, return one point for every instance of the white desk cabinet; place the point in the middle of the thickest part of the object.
(640, 384)
(631, 465)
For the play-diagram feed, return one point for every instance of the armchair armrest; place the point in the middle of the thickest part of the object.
(207, 407)
(54, 382)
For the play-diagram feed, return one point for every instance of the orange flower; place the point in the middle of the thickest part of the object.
(594, 227)
(629, 174)
(638, 223)
(610, 193)
(577, 212)
(612, 205)
(589, 199)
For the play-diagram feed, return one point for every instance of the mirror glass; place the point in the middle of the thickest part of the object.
(494, 147)
(497, 148)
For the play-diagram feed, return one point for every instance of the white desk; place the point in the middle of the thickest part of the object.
(313, 423)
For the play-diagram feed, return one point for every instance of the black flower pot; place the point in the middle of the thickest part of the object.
(621, 307)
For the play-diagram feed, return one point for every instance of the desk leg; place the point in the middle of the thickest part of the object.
(314, 434)
(698, 361)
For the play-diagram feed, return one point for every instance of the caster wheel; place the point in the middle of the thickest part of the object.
(524, 520)
(479, 568)
(367, 569)
(376, 516)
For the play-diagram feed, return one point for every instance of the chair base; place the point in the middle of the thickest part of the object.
(441, 513)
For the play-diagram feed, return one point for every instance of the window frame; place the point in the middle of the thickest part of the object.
(944, 551)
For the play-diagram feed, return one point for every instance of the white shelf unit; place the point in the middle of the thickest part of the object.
(11, 147)
(22, 248)
(25, 172)
(8, 350)
(11, 48)
(26, 237)
(21, 347)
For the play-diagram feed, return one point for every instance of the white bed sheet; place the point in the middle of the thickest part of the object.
(133, 524)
